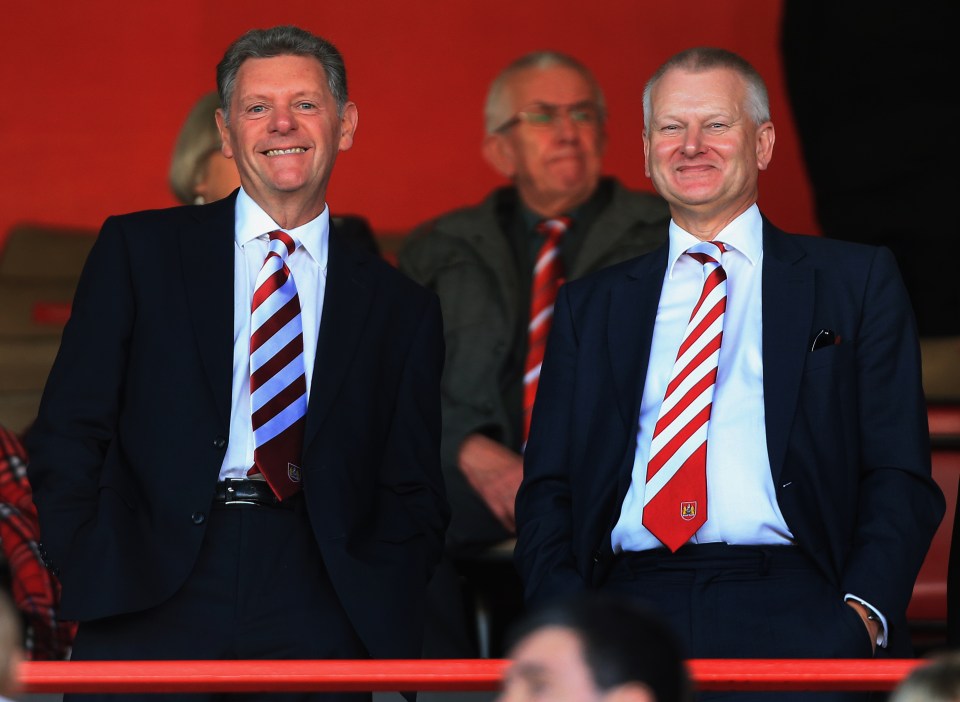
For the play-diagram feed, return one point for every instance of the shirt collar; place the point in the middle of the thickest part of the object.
(252, 222)
(744, 234)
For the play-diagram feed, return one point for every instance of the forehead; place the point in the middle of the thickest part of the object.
(553, 651)
(295, 74)
(715, 89)
(558, 85)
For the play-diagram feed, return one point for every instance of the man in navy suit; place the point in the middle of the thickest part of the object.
(153, 508)
(819, 504)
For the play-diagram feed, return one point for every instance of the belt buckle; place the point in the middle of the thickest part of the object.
(231, 490)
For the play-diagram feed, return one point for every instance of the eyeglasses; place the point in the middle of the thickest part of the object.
(543, 115)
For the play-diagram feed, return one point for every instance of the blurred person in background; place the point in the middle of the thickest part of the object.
(33, 589)
(496, 267)
(936, 681)
(199, 172)
(595, 648)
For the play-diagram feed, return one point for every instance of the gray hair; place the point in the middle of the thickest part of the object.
(285, 40)
(705, 58)
(495, 111)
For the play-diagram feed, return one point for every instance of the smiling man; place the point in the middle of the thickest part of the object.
(496, 268)
(731, 428)
(239, 442)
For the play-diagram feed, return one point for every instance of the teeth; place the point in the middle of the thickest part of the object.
(279, 152)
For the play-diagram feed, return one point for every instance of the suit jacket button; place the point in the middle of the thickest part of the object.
(597, 556)
(198, 517)
(219, 442)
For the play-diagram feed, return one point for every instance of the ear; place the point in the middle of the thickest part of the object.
(630, 692)
(765, 139)
(646, 154)
(348, 125)
(226, 148)
(498, 152)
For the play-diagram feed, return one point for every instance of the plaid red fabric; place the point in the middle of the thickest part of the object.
(34, 590)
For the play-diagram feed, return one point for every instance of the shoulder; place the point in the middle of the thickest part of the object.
(457, 225)
(396, 288)
(152, 219)
(824, 252)
(631, 223)
(154, 227)
(638, 205)
(468, 234)
(652, 262)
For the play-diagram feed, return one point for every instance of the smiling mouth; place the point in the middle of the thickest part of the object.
(282, 152)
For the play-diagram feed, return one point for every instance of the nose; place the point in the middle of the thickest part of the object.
(283, 119)
(692, 141)
(564, 126)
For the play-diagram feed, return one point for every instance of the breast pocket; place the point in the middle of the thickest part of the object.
(830, 358)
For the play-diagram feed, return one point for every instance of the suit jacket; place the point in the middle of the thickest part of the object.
(133, 425)
(846, 424)
(467, 258)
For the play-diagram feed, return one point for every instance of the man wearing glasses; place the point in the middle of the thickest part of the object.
(496, 268)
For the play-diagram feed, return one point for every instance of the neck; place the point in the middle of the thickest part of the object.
(552, 206)
(292, 215)
(705, 224)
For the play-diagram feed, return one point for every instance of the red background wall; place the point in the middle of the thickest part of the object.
(96, 93)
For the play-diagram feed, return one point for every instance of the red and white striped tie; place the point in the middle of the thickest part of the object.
(675, 497)
(547, 279)
(278, 383)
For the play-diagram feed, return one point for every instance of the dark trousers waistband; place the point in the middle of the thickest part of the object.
(714, 555)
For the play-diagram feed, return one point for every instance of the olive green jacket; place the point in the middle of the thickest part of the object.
(466, 258)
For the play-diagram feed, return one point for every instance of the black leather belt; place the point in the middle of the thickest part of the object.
(240, 491)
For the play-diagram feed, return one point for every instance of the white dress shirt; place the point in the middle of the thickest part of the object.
(741, 502)
(308, 265)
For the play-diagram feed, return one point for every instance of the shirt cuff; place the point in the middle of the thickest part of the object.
(882, 635)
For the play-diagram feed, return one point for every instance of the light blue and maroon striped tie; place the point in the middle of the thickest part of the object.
(278, 383)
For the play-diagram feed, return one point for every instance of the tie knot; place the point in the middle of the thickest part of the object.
(282, 244)
(554, 227)
(707, 252)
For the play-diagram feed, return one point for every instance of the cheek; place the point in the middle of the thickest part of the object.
(658, 158)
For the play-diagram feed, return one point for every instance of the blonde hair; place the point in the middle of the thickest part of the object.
(198, 138)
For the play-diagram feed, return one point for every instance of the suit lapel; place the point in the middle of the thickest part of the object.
(346, 303)
(633, 311)
(788, 300)
(207, 255)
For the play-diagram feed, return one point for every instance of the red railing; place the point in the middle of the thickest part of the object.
(424, 675)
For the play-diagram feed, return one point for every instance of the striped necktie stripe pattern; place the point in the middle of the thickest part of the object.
(675, 495)
(278, 383)
(547, 279)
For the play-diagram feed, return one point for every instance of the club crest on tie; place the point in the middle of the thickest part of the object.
(293, 473)
(688, 511)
